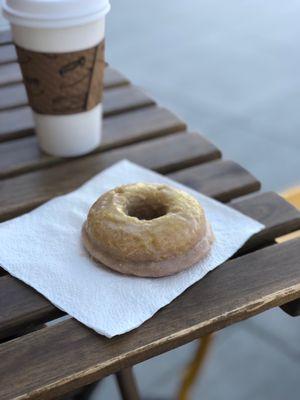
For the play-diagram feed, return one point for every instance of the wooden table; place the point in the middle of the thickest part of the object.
(43, 362)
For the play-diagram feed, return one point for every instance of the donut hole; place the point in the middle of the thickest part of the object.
(146, 210)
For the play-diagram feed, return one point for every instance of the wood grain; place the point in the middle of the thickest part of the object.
(116, 100)
(167, 154)
(21, 305)
(68, 355)
(7, 54)
(209, 178)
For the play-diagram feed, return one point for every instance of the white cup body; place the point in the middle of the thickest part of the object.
(73, 134)
(69, 135)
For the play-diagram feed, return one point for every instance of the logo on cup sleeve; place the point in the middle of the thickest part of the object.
(63, 83)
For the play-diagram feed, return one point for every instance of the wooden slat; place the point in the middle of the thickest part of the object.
(11, 74)
(21, 305)
(23, 155)
(121, 99)
(12, 96)
(166, 154)
(5, 37)
(119, 124)
(67, 355)
(279, 216)
(7, 54)
(114, 78)
(230, 180)
(19, 122)
(15, 123)
(115, 100)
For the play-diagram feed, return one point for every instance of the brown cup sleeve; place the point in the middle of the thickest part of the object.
(63, 83)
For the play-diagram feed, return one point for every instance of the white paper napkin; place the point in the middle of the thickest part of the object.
(43, 248)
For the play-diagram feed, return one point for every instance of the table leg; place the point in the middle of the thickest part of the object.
(127, 384)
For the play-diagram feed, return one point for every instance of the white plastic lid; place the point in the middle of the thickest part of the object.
(54, 13)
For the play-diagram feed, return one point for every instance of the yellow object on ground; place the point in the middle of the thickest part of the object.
(292, 196)
(287, 237)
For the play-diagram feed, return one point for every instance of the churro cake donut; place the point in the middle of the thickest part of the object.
(148, 230)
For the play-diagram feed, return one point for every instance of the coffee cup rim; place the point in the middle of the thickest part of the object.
(57, 18)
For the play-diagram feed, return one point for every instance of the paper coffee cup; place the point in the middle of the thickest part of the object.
(60, 47)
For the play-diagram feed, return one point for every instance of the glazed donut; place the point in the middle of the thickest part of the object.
(148, 230)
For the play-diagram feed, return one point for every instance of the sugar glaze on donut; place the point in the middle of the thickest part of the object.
(148, 230)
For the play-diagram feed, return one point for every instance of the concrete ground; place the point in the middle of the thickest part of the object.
(231, 70)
